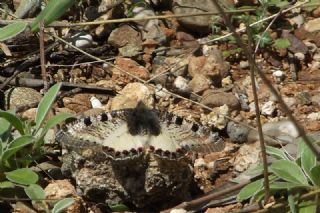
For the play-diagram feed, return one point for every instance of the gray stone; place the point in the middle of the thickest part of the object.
(197, 23)
(304, 98)
(237, 133)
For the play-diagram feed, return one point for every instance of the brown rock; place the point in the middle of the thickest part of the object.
(213, 99)
(186, 40)
(195, 65)
(199, 83)
(313, 126)
(213, 66)
(60, 189)
(129, 66)
(130, 95)
(316, 12)
(302, 34)
(78, 103)
(296, 45)
(123, 36)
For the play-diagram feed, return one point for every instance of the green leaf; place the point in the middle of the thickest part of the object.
(291, 203)
(51, 123)
(16, 145)
(264, 39)
(6, 184)
(315, 175)
(35, 192)
(12, 30)
(23, 176)
(4, 126)
(54, 10)
(45, 104)
(62, 204)
(54, 121)
(276, 153)
(285, 185)
(288, 171)
(302, 145)
(14, 121)
(119, 208)
(309, 161)
(308, 207)
(282, 43)
(250, 190)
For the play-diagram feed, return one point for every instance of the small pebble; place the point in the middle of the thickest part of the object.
(95, 103)
(278, 76)
(268, 108)
(81, 40)
(237, 133)
(314, 116)
(200, 163)
(178, 211)
(181, 83)
(244, 64)
(299, 56)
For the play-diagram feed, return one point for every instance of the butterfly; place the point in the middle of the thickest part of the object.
(128, 133)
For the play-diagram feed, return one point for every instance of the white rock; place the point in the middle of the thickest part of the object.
(298, 20)
(278, 76)
(315, 66)
(283, 126)
(252, 107)
(244, 64)
(81, 40)
(311, 46)
(216, 118)
(314, 116)
(248, 155)
(300, 56)
(268, 108)
(95, 103)
(226, 81)
(141, 12)
(200, 163)
(161, 92)
(178, 211)
(316, 57)
(312, 25)
(181, 83)
(289, 101)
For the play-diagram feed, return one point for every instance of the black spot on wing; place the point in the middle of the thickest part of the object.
(178, 120)
(195, 127)
(87, 121)
(104, 117)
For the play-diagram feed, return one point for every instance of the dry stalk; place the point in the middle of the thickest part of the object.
(42, 58)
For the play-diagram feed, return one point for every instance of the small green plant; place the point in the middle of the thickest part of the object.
(291, 177)
(54, 10)
(21, 142)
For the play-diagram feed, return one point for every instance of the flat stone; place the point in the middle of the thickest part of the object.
(123, 36)
(129, 66)
(197, 23)
(199, 83)
(130, 95)
(214, 99)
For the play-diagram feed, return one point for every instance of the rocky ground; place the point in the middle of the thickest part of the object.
(176, 65)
